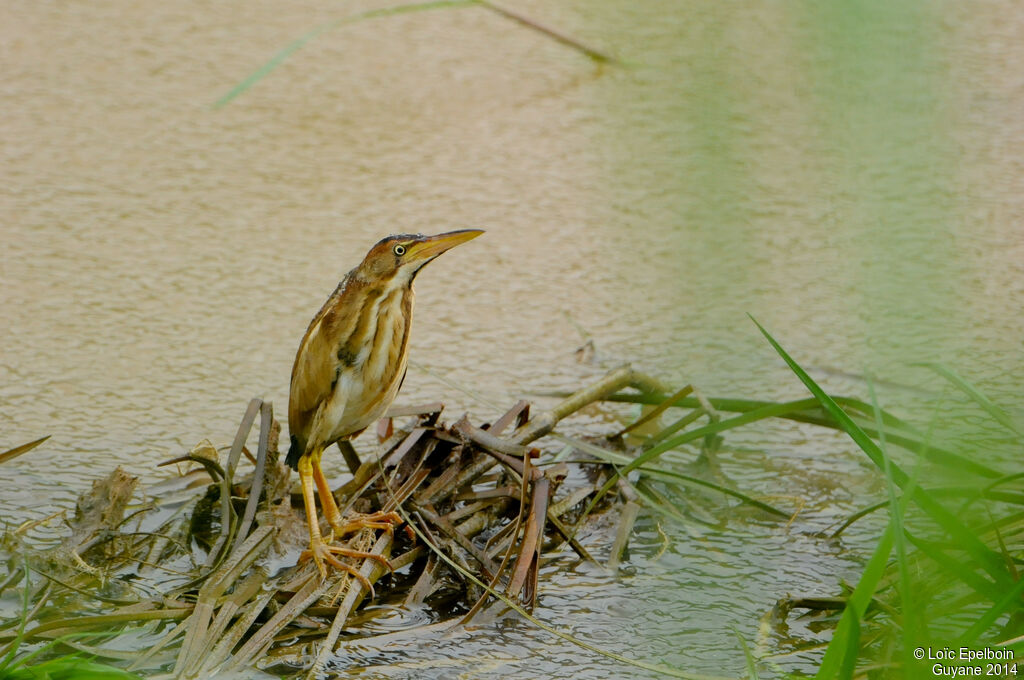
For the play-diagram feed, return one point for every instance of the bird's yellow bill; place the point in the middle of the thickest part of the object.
(432, 246)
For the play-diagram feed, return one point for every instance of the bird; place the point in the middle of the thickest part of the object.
(348, 370)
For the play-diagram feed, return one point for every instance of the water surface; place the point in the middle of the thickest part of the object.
(853, 177)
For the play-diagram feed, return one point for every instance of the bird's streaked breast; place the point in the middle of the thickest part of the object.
(368, 385)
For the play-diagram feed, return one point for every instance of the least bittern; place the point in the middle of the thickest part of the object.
(349, 368)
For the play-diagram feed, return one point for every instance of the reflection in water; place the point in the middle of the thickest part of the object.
(852, 179)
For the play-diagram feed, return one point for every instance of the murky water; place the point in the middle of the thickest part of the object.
(853, 177)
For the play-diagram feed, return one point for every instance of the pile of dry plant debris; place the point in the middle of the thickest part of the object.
(200, 565)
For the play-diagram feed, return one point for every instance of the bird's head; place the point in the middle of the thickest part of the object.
(400, 257)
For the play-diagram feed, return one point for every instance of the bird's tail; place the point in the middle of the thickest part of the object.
(295, 452)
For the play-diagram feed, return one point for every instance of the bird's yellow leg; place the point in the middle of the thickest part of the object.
(310, 474)
(339, 527)
(316, 541)
(324, 489)
(318, 549)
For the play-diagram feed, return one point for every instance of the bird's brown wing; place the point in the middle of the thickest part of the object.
(313, 376)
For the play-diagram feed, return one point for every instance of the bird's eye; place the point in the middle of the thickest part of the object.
(399, 250)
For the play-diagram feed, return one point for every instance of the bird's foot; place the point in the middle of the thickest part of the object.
(324, 554)
(385, 521)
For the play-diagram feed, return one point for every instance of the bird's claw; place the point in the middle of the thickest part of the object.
(324, 554)
(385, 521)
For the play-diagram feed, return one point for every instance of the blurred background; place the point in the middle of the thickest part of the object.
(184, 183)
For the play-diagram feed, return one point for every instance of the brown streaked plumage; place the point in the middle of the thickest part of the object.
(350, 366)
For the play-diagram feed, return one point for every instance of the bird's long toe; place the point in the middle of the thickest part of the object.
(324, 554)
(384, 521)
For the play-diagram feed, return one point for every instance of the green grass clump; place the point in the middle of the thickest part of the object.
(17, 664)
(946, 570)
(929, 576)
(64, 668)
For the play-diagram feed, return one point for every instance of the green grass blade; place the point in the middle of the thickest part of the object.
(686, 437)
(971, 391)
(1011, 601)
(849, 663)
(897, 508)
(293, 47)
(858, 515)
(1005, 480)
(749, 656)
(752, 411)
(274, 62)
(810, 411)
(970, 493)
(661, 506)
(618, 459)
(841, 653)
(962, 571)
(69, 668)
(986, 557)
(661, 472)
(656, 411)
(12, 648)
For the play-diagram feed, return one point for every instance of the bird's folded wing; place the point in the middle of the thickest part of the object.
(313, 377)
